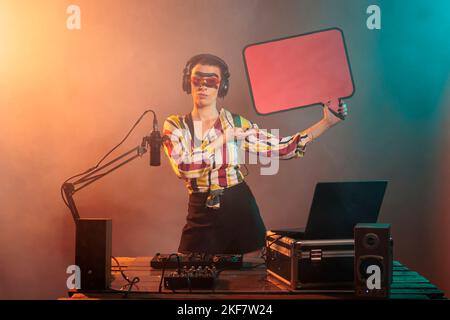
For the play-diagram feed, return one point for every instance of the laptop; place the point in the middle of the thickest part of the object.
(337, 207)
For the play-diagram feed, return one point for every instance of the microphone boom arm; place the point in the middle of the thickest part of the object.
(70, 188)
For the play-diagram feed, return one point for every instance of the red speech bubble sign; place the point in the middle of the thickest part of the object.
(299, 71)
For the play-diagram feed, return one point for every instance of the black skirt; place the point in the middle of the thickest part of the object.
(235, 228)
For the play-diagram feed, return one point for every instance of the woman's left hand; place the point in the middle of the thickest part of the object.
(330, 118)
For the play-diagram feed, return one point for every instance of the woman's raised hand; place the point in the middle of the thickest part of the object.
(330, 118)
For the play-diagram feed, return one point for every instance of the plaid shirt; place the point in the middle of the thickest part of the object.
(205, 169)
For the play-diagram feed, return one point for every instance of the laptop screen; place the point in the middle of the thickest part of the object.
(338, 206)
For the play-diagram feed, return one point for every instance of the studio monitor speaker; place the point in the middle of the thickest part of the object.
(373, 260)
(93, 253)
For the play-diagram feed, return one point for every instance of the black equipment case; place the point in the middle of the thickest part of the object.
(310, 264)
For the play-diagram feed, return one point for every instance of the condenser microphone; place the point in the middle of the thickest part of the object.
(155, 142)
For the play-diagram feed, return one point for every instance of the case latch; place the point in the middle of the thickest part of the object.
(315, 255)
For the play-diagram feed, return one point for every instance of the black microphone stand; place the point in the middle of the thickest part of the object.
(94, 236)
(70, 188)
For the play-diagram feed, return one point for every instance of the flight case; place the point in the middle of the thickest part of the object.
(301, 264)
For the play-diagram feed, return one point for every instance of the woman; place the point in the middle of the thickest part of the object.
(203, 149)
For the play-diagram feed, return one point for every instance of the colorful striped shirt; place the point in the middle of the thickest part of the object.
(205, 169)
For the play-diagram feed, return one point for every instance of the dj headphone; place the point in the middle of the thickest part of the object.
(224, 83)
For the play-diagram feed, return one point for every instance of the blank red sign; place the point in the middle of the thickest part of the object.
(298, 71)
